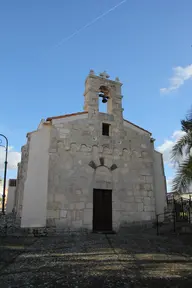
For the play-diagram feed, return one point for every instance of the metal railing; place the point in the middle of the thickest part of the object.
(171, 200)
(165, 218)
(173, 217)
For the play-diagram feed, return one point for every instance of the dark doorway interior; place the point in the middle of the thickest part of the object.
(102, 210)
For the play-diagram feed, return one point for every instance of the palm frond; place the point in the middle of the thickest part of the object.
(189, 115)
(182, 145)
(183, 177)
(186, 125)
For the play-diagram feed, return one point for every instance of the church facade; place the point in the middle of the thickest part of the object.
(90, 169)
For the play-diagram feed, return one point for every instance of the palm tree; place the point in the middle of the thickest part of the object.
(182, 155)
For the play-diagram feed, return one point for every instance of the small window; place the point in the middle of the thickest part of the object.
(12, 182)
(105, 129)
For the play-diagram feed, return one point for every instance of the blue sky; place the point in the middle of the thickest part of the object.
(139, 41)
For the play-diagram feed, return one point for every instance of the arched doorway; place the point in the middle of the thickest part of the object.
(102, 200)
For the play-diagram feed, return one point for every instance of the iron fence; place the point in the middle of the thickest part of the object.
(179, 211)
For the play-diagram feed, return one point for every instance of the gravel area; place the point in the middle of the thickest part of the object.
(127, 259)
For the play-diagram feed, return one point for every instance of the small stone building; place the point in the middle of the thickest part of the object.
(90, 169)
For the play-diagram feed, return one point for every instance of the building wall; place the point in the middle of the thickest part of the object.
(35, 187)
(174, 195)
(74, 144)
(10, 199)
(21, 177)
(1, 186)
(70, 157)
(160, 183)
(1, 194)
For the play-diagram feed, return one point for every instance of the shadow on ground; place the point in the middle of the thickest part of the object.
(123, 260)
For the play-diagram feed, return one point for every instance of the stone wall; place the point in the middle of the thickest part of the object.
(160, 184)
(21, 177)
(34, 208)
(73, 146)
(9, 224)
(10, 199)
(80, 159)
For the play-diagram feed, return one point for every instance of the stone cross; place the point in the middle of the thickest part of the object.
(104, 75)
(91, 72)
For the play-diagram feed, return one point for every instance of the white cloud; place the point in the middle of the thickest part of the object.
(14, 158)
(167, 146)
(165, 149)
(180, 75)
(177, 135)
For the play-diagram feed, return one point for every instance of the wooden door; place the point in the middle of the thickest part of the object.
(102, 210)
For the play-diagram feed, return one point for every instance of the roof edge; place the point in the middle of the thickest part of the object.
(66, 115)
(137, 126)
(85, 112)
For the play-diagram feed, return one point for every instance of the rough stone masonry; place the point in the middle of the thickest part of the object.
(71, 157)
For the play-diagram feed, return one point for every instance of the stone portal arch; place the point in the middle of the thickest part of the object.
(103, 178)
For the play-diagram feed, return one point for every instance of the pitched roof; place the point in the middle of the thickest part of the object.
(137, 126)
(85, 112)
(66, 115)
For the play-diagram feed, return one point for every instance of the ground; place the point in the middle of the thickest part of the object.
(127, 259)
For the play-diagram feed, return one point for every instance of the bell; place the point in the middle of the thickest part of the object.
(104, 100)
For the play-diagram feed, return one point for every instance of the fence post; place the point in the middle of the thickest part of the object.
(174, 204)
(174, 222)
(174, 209)
(157, 222)
(182, 206)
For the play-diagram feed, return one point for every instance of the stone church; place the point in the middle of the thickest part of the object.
(90, 169)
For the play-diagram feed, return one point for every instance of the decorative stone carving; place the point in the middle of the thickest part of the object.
(113, 167)
(104, 75)
(91, 72)
(83, 148)
(92, 165)
(101, 161)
